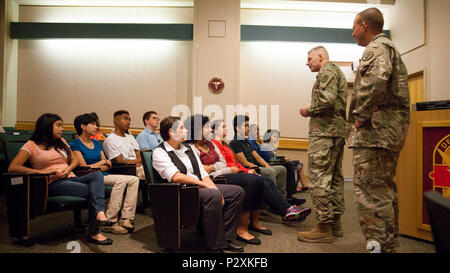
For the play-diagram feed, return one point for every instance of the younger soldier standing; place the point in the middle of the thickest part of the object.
(380, 113)
(326, 146)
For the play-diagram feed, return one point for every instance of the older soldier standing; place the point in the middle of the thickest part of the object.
(380, 113)
(326, 146)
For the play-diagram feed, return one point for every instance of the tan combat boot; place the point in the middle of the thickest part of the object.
(322, 233)
(336, 226)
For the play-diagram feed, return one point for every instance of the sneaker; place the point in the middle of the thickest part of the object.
(126, 223)
(291, 214)
(303, 211)
(294, 213)
(115, 229)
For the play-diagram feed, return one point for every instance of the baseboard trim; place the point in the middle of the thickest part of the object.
(293, 144)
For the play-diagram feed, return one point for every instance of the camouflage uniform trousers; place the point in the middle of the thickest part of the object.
(325, 156)
(376, 195)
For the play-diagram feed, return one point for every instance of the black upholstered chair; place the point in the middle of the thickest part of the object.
(173, 205)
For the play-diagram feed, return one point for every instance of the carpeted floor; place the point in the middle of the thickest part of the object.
(53, 235)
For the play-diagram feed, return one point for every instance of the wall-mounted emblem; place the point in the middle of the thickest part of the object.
(216, 85)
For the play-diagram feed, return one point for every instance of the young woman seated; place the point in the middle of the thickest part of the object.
(99, 136)
(176, 162)
(48, 153)
(272, 195)
(90, 153)
(215, 165)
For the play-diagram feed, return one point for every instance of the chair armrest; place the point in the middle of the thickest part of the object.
(123, 168)
(221, 179)
(171, 185)
(83, 170)
(25, 174)
(274, 163)
(117, 164)
(257, 170)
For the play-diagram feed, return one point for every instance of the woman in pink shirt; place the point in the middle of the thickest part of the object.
(48, 153)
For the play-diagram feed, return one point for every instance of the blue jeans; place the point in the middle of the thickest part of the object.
(273, 197)
(91, 187)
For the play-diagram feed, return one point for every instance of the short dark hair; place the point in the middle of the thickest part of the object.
(216, 124)
(147, 115)
(165, 125)
(120, 112)
(194, 125)
(374, 19)
(268, 134)
(238, 120)
(96, 117)
(83, 119)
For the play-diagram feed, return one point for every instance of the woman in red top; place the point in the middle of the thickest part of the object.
(272, 195)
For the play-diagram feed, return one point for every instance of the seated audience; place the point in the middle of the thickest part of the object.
(120, 146)
(48, 153)
(149, 139)
(255, 140)
(269, 148)
(249, 158)
(90, 153)
(98, 135)
(176, 162)
(215, 165)
(272, 195)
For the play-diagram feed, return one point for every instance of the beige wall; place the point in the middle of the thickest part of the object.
(433, 57)
(70, 77)
(275, 73)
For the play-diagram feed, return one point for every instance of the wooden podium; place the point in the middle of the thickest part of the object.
(422, 167)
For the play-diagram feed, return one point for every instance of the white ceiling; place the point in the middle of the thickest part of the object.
(187, 2)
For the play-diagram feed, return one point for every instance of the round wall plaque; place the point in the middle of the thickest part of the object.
(216, 85)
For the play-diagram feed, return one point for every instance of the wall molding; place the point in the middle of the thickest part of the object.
(297, 34)
(293, 144)
(25, 30)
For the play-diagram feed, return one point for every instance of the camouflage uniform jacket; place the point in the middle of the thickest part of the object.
(328, 103)
(380, 97)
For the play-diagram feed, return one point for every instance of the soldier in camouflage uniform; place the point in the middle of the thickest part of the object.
(380, 113)
(326, 146)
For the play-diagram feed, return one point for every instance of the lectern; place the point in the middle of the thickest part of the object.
(424, 165)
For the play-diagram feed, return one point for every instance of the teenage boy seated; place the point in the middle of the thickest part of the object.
(249, 158)
(221, 205)
(121, 147)
(149, 139)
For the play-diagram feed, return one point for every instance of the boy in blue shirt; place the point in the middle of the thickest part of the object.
(149, 139)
